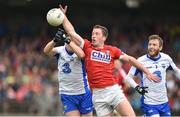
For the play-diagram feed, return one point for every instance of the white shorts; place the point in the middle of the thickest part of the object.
(105, 100)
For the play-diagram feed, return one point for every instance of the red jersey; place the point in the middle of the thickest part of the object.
(99, 64)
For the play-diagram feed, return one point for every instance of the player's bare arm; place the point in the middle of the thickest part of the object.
(49, 48)
(76, 49)
(138, 65)
(62, 37)
(68, 27)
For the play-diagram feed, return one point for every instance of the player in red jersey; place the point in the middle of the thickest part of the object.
(99, 62)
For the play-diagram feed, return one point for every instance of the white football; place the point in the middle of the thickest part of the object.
(55, 17)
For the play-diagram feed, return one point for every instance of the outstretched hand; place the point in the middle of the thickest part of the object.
(152, 78)
(59, 36)
(64, 10)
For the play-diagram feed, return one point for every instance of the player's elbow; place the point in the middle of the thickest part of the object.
(127, 58)
(46, 51)
(131, 59)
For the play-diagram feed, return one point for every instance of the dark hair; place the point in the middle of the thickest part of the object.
(153, 37)
(103, 28)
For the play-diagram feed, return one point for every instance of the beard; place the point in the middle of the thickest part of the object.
(154, 53)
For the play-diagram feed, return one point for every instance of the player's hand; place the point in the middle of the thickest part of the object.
(59, 36)
(141, 90)
(152, 78)
(64, 10)
(67, 40)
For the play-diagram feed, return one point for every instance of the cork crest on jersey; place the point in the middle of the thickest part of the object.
(101, 56)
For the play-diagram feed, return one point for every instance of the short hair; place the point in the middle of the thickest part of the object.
(153, 37)
(103, 28)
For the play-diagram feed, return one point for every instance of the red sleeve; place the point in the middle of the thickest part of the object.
(117, 52)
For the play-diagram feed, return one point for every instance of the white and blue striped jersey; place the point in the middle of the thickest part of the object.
(71, 73)
(157, 92)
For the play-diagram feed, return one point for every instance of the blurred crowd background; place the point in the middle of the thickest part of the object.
(28, 78)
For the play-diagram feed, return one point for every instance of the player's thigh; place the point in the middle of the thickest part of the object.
(105, 101)
(85, 104)
(150, 110)
(100, 101)
(73, 113)
(164, 110)
(166, 114)
(124, 108)
(69, 103)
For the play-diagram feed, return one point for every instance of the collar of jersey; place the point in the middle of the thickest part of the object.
(98, 48)
(70, 53)
(154, 59)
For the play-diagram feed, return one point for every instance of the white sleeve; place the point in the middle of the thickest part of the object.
(129, 78)
(57, 49)
(174, 67)
(177, 73)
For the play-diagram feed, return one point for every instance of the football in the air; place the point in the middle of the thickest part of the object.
(55, 17)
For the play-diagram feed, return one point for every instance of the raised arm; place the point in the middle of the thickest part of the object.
(68, 27)
(76, 49)
(60, 36)
(49, 48)
(138, 65)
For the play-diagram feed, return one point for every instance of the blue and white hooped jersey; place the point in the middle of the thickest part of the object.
(71, 73)
(157, 92)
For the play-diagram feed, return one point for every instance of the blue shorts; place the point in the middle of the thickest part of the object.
(161, 109)
(82, 102)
